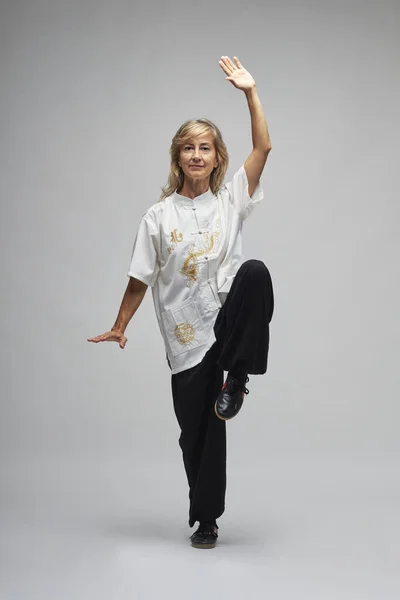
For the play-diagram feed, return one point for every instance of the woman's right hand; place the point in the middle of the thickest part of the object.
(110, 336)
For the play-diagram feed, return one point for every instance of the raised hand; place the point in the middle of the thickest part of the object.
(237, 74)
(110, 336)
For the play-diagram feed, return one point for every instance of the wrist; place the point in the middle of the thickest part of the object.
(251, 91)
(118, 328)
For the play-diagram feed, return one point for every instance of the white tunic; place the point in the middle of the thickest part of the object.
(189, 251)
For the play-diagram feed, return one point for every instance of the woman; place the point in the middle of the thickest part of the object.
(213, 311)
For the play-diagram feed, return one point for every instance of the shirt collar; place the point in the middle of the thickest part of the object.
(204, 199)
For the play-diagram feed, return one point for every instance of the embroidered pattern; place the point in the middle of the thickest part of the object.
(190, 268)
(184, 333)
(175, 239)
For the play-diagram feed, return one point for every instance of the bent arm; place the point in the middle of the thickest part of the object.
(255, 163)
(133, 296)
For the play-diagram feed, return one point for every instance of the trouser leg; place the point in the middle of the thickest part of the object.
(242, 325)
(203, 436)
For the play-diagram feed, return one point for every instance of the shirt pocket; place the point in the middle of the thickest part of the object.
(184, 327)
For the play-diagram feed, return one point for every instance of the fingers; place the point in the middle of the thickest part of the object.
(122, 342)
(221, 64)
(231, 65)
(227, 64)
(110, 336)
(99, 338)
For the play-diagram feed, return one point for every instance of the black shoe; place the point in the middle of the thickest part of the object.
(231, 397)
(205, 537)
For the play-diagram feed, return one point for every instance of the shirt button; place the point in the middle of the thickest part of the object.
(206, 257)
(193, 208)
(199, 231)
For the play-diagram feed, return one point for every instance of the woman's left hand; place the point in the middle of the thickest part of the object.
(237, 74)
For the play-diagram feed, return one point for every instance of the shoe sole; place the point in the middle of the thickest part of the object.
(201, 546)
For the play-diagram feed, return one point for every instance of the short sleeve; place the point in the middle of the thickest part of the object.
(144, 263)
(239, 193)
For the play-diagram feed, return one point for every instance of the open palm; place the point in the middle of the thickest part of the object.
(237, 74)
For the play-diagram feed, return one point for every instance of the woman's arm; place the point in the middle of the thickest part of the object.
(259, 127)
(242, 80)
(255, 163)
(134, 294)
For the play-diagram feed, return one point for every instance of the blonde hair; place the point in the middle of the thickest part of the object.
(189, 129)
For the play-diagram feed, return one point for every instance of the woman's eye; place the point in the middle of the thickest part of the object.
(203, 148)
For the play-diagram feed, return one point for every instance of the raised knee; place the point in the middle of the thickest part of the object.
(255, 266)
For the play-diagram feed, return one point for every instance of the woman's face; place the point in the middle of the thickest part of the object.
(198, 157)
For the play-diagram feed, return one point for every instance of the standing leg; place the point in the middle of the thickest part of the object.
(203, 436)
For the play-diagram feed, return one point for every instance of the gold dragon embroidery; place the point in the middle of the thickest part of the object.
(190, 267)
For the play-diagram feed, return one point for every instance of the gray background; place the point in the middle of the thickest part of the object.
(93, 491)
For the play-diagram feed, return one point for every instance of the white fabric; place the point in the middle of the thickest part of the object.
(189, 251)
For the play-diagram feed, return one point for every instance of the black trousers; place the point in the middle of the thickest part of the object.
(242, 342)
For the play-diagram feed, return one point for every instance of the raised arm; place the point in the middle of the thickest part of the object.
(242, 80)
